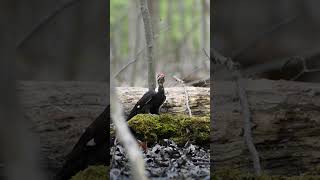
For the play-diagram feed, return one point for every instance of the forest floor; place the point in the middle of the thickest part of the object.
(165, 160)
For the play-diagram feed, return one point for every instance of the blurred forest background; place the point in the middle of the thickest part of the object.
(262, 34)
(181, 30)
(62, 40)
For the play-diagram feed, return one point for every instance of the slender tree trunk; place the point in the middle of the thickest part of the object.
(155, 21)
(149, 41)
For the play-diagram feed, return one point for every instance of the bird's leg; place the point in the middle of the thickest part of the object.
(143, 145)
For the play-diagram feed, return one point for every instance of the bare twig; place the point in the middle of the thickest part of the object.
(136, 56)
(129, 63)
(235, 69)
(124, 135)
(186, 94)
(45, 20)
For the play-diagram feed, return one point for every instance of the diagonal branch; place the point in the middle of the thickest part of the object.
(136, 56)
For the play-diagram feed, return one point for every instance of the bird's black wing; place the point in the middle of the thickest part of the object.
(83, 155)
(141, 105)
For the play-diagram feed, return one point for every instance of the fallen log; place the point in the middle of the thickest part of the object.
(199, 99)
(59, 112)
(286, 126)
(285, 130)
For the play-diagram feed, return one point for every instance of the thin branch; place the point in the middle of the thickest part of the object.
(136, 56)
(129, 63)
(235, 70)
(45, 21)
(186, 94)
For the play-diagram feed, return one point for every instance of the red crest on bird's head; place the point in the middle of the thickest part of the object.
(160, 75)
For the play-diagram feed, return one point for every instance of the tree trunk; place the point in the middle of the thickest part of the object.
(204, 30)
(149, 41)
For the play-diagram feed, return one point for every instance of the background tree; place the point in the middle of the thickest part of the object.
(176, 44)
(149, 42)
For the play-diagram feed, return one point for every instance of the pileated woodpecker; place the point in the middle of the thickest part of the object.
(151, 101)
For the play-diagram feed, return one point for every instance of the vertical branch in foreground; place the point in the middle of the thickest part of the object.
(126, 138)
(235, 69)
(149, 40)
(186, 94)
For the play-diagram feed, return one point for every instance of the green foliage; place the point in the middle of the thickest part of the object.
(92, 173)
(233, 174)
(180, 128)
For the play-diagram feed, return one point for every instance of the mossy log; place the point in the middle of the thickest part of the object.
(179, 128)
(285, 126)
(92, 172)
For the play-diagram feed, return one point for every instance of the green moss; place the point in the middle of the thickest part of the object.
(180, 128)
(238, 175)
(92, 173)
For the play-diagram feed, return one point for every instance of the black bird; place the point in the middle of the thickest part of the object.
(91, 149)
(151, 101)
